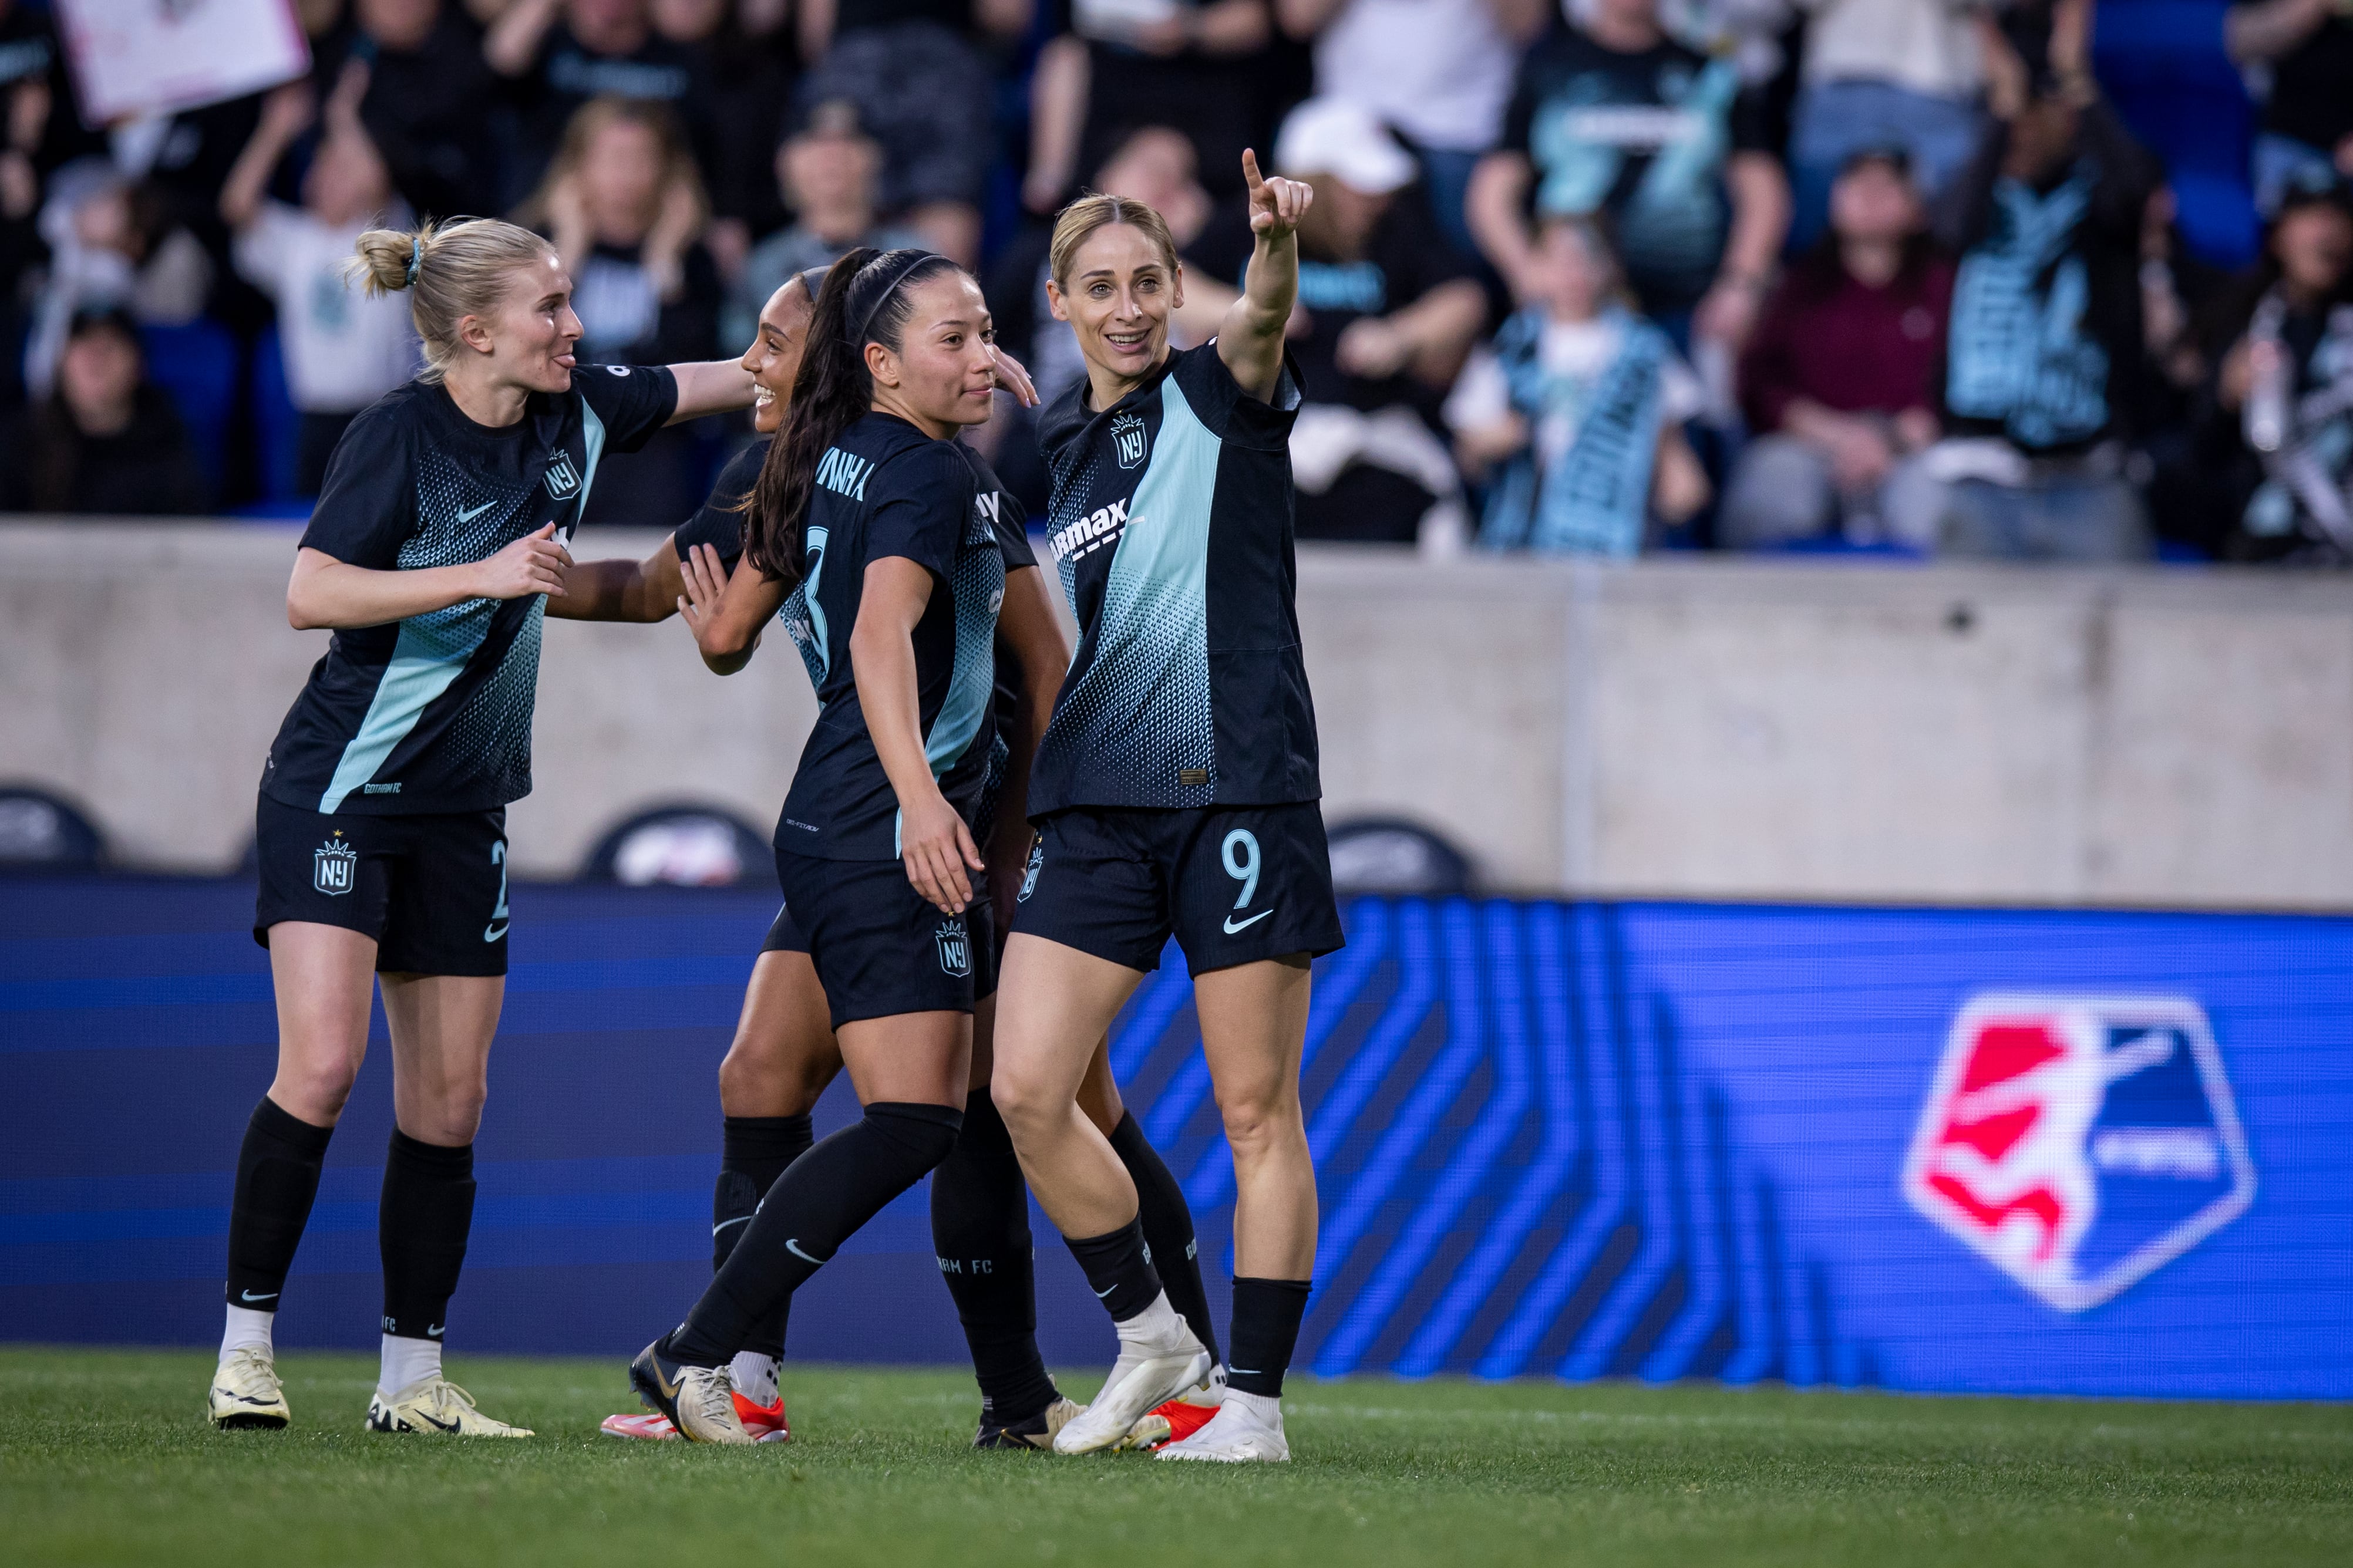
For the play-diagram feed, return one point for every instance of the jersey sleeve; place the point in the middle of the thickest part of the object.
(1231, 413)
(367, 507)
(717, 522)
(1006, 516)
(632, 400)
(921, 500)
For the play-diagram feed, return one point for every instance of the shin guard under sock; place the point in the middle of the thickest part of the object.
(422, 1223)
(1266, 1326)
(816, 1205)
(277, 1181)
(1119, 1269)
(980, 1232)
(1168, 1224)
(754, 1151)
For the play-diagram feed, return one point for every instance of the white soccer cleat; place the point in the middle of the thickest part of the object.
(1146, 1373)
(436, 1404)
(1242, 1432)
(1180, 1418)
(246, 1391)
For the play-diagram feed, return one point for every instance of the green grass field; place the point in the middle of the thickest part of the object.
(105, 1459)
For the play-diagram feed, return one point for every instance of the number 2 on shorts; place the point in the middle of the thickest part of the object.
(498, 926)
(1243, 867)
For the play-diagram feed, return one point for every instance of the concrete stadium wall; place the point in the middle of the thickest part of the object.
(1689, 727)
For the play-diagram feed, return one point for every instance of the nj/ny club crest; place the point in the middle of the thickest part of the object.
(562, 479)
(956, 946)
(2078, 1143)
(335, 867)
(1127, 439)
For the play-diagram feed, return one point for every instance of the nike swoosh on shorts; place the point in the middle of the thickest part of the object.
(1232, 925)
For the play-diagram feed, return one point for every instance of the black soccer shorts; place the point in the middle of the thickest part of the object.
(879, 948)
(1233, 884)
(431, 890)
(784, 935)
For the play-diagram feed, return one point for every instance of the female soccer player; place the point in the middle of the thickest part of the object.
(867, 504)
(382, 821)
(1174, 791)
(785, 1055)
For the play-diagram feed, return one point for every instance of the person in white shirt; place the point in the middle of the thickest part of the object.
(1439, 72)
(342, 350)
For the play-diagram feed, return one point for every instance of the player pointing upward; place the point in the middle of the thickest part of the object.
(1176, 790)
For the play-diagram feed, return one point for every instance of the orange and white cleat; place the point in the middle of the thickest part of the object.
(1180, 1418)
(766, 1423)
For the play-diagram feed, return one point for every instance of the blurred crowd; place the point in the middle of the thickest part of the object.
(1923, 277)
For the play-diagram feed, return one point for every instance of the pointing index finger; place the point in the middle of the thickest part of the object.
(1249, 172)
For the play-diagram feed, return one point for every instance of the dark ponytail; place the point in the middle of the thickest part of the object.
(866, 299)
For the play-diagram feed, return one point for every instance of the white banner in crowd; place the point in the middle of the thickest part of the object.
(152, 56)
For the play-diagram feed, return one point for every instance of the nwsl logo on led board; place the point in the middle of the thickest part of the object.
(2080, 1143)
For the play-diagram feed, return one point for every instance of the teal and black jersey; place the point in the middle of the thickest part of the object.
(433, 713)
(1171, 520)
(885, 489)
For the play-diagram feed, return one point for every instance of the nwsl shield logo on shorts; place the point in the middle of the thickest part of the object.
(335, 869)
(955, 947)
(1127, 439)
(2079, 1143)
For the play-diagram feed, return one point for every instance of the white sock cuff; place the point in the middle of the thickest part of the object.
(247, 1329)
(1156, 1325)
(1267, 1408)
(406, 1362)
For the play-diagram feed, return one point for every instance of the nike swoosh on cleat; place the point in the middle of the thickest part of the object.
(793, 1246)
(1233, 925)
(249, 1295)
(466, 517)
(436, 1425)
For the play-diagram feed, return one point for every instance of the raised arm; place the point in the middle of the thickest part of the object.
(511, 43)
(711, 386)
(933, 841)
(286, 114)
(1251, 340)
(2256, 35)
(328, 592)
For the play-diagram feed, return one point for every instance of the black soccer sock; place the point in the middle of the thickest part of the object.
(980, 1231)
(1167, 1223)
(1119, 1269)
(815, 1206)
(422, 1223)
(754, 1151)
(1266, 1327)
(277, 1179)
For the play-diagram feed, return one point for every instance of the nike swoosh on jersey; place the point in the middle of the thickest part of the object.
(1233, 925)
(467, 517)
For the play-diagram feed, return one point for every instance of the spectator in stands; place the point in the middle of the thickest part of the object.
(2044, 339)
(105, 440)
(2282, 419)
(1883, 73)
(751, 83)
(1839, 382)
(1574, 417)
(624, 204)
(1439, 72)
(556, 54)
(1615, 118)
(426, 100)
(2307, 48)
(28, 53)
(924, 90)
(1388, 310)
(111, 242)
(342, 349)
(829, 172)
(1187, 64)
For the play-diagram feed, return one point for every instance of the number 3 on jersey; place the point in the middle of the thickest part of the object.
(498, 926)
(1241, 856)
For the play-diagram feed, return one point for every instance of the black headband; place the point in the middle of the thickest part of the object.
(898, 264)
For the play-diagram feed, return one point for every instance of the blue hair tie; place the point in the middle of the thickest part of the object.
(416, 257)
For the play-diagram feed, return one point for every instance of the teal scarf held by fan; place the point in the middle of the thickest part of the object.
(1594, 499)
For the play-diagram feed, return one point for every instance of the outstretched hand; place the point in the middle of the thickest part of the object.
(705, 576)
(1013, 378)
(1276, 205)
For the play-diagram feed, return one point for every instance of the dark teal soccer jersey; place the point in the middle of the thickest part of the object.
(433, 713)
(885, 489)
(1171, 521)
